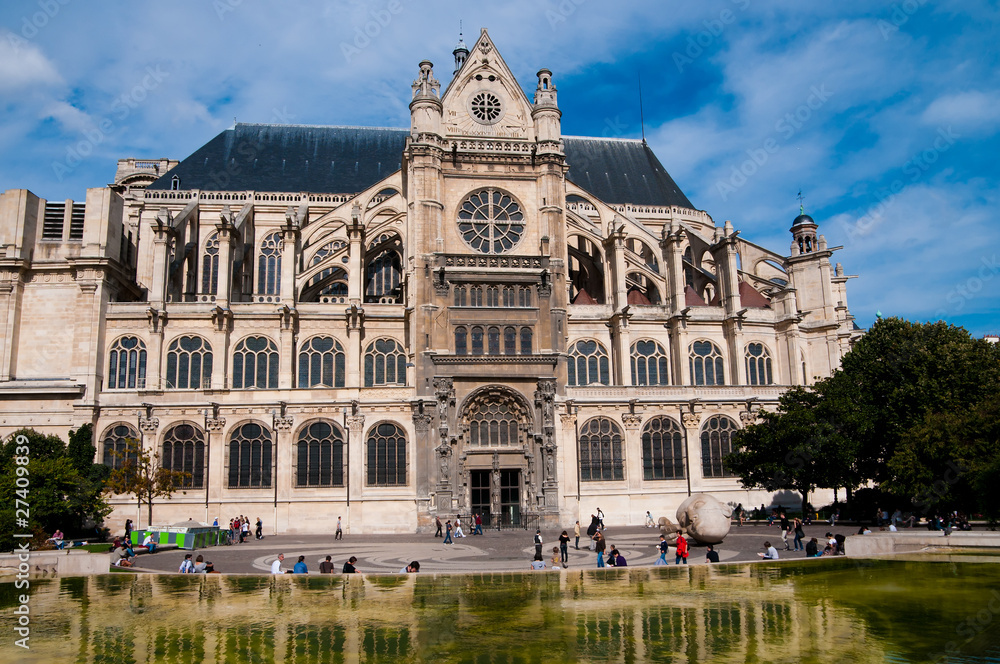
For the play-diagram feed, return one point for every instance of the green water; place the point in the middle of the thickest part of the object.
(842, 610)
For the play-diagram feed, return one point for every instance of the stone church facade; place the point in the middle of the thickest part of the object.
(477, 314)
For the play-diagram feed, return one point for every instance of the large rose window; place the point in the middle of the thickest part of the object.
(491, 222)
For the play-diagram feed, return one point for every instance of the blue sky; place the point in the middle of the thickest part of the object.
(885, 115)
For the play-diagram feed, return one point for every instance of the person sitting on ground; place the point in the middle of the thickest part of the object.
(300, 566)
(326, 567)
(711, 555)
(349, 567)
(412, 568)
(812, 548)
(864, 530)
(119, 557)
(149, 543)
(770, 554)
(187, 567)
(556, 561)
(58, 539)
(620, 559)
(199, 565)
(612, 556)
(276, 565)
(538, 563)
(210, 568)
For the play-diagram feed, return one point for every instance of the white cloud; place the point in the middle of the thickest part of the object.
(974, 109)
(23, 65)
(71, 118)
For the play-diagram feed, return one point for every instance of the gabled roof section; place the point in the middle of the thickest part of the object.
(291, 158)
(620, 171)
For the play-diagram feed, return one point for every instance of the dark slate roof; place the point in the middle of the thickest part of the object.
(346, 160)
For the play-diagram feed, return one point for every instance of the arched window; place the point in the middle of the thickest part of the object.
(492, 296)
(758, 365)
(382, 277)
(706, 364)
(493, 338)
(716, 443)
(386, 455)
(477, 340)
(115, 442)
(184, 451)
(493, 422)
(250, 457)
(269, 265)
(460, 296)
(321, 363)
(524, 296)
(601, 451)
(385, 363)
(319, 455)
(526, 341)
(476, 296)
(588, 364)
(255, 364)
(210, 266)
(649, 364)
(508, 296)
(189, 364)
(127, 364)
(509, 341)
(662, 450)
(461, 341)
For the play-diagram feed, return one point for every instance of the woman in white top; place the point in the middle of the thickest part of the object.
(458, 527)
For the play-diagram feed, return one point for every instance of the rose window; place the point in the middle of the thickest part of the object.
(486, 107)
(491, 222)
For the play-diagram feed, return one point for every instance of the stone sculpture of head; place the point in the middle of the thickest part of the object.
(704, 518)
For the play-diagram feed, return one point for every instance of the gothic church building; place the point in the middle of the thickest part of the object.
(474, 314)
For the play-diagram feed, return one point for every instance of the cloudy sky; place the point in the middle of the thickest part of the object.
(884, 115)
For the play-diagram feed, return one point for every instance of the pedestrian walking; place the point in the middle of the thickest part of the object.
(260, 529)
(437, 523)
(600, 546)
(447, 532)
(458, 527)
(538, 542)
(479, 524)
(662, 547)
(682, 550)
(786, 527)
(340, 530)
(799, 534)
(576, 531)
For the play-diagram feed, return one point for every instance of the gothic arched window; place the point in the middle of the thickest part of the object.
(476, 296)
(662, 450)
(385, 363)
(493, 422)
(524, 296)
(716, 443)
(255, 364)
(189, 364)
(706, 364)
(758, 365)
(210, 266)
(650, 364)
(383, 275)
(115, 441)
(321, 363)
(509, 341)
(508, 296)
(250, 457)
(184, 451)
(492, 296)
(127, 364)
(493, 340)
(461, 341)
(601, 451)
(588, 364)
(386, 455)
(460, 296)
(269, 265)
(477, 340)
(526, 341)
(319, 455)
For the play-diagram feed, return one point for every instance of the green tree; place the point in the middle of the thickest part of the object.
(141, 474)
(795, 448)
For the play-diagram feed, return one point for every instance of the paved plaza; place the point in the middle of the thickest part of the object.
(491, 552)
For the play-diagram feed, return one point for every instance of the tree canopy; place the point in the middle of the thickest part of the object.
(140, 474)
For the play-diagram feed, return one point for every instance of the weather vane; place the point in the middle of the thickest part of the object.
(801, 198)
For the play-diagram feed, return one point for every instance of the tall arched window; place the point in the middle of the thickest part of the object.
(210, 266)
(662, 450)
(492, 296)
(250, 457)
(319, 455)
(509, 341)
(526, 341)
(269, 265)
(601, 451)
(649, 364)
(386, 455)
(494, 418)
(115, 441)
(461, 293)
(476, 296)
(382, 277)
(127, 364)
(184, 451)
(477, 340)
(758, 365)
(461, 341)
(716, 443)
(706, 364)
(385, 363)
(321, 363)
(189, 364)
(524, 296)
(508, 296)
(255, 364)
(588, 364)
(493, 339)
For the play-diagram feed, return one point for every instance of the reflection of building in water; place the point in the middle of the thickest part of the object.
(637, 615)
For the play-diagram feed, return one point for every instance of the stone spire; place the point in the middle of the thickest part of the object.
(461, 52)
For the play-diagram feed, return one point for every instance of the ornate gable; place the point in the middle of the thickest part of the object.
(484, 98)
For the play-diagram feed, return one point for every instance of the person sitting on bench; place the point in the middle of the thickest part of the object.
(149, 543)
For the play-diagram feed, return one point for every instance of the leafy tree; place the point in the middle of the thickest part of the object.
(795, 448)
(58, 495)
(140, 474)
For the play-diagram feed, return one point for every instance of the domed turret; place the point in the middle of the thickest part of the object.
(803, 234)
(461, 52)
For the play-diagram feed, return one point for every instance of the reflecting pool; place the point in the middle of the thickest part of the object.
(945, 608)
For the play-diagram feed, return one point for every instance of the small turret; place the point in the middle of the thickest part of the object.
(804, 234)
(426, 108)
(461, 53)
(546, 111)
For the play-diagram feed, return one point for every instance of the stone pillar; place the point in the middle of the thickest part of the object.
(355, 316)
(162, 234)
(154, 353)
(215, 461)
(226, 231)
(569, 462)
(222, 320)
(289, 259)
(447, 482)
(545, 405)
(286, 346)
(355, 454)
(632, 449)
(691, 420)
(283, 424)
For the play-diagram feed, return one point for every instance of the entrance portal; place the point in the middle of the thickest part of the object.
(507, 510)
(479, 481)
(510, 497)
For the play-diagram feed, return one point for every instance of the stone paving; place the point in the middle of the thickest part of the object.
(490, 552)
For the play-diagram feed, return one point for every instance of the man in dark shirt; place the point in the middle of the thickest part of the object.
(349, 567)
(326, 567)
(711, 555)
(786, 527)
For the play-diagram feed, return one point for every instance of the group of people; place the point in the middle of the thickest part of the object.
(197, 566)
(327, 566)
(449, 529)
(239, 529)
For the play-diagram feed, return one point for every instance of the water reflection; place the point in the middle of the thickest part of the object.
(864, 611)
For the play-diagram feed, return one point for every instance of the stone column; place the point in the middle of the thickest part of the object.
(154, 354)
(569, 461)
(356, 453)
(690, 420)
(282, 479)
(545, 405)
(444, 393)
(162, 234)
(632, 449)
(289, 325)
(215, 461)
(225, 231)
